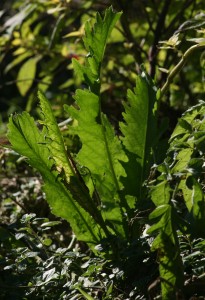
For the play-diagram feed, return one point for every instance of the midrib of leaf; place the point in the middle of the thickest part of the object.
(145, 148)
(103, 26)
(56, 145)
(123, 203)
(150, 140)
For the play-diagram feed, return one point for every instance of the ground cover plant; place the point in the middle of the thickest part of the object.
(111, 190)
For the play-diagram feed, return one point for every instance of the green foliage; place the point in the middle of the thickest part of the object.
(35, 265)
(170, 265)
(105, 190)
(104, 164)
(139, 129)
(48, 33)
(178, 196)
(95, 41)
(101, 152)
(33, 268)
(28, 71)
(94, 203)
(33, 147)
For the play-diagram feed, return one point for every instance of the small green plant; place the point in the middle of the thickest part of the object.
(105, 190)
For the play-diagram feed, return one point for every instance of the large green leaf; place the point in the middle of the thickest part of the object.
(101, 151)
(140, 129)
(64, 163)
(28, 141)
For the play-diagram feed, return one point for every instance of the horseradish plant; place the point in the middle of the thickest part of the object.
(99, 190)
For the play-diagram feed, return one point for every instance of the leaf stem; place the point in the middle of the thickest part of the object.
(178, 67)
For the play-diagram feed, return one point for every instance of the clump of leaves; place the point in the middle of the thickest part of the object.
(97, 203)
(102, 190)
(92, 190)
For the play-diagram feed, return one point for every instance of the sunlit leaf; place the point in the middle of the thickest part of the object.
(140, 129)
(161, 193)
(95, 42)
(101, 150)
(59, 198)
(26, 76)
